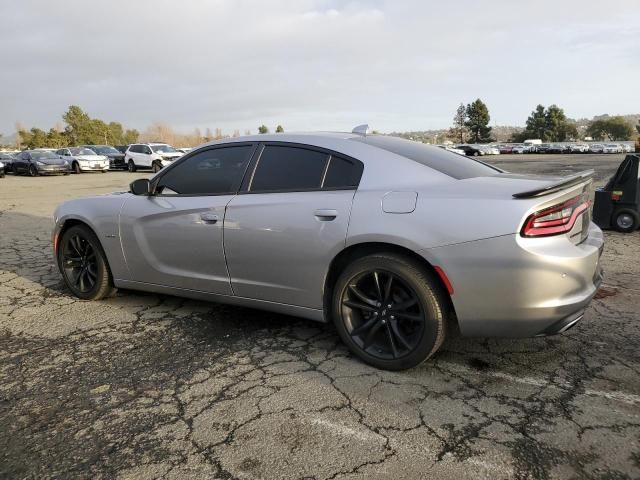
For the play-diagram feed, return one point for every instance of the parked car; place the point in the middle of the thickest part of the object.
(7, 160)
(556, 148)
(627, 148)
(318, 225)
(40, 162)
(470, 150)
(84, 160)
(1, 169)
(504, 148)
(596, 148)
(488, 149)
(612, 148)
(150, 155)
(521, 148)
(543, 148)
(578, 148)
(116, 158)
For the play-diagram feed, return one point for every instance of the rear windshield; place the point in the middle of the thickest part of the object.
(449, 163)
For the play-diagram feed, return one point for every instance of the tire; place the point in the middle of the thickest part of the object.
(475, 154)
(396, 338)
(83, 264)
(625, 220)
(131, 167)
(76, 168)
(33, 171)
(156, 167)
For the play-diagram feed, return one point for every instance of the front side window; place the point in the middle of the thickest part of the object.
(211, 172)
(285, 168)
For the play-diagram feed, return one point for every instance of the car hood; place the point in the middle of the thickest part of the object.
(170, 154)
(52, 161)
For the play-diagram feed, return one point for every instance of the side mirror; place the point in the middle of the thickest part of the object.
(142, 186)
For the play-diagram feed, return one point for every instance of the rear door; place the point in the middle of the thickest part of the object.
(290, 220)
(175, 237)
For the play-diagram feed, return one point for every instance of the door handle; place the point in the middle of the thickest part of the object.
(325, 214)
(209, 217)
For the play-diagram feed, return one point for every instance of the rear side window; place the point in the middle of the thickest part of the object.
(342, 173)
(449, 163)
(289, 169)
(212, 172)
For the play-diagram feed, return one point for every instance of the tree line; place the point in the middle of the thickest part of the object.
(549, 124)
(80, 129)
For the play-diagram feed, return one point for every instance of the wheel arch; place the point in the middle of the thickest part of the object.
(359, 250)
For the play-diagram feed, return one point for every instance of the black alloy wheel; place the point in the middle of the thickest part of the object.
(33, 171)
(80, 263)
(83, 264)
(389, 311)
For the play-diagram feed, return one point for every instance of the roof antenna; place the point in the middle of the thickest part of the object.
(361, 130)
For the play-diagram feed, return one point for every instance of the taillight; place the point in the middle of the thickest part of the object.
(556, 219)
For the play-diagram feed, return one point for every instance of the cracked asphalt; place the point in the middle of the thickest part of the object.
(149, 386)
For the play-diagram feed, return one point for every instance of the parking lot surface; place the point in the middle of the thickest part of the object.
(152, 386)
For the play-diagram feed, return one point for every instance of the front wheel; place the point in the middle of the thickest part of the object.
(389, 311)
(626, 220)
(76, 167)
(83, 264)
(156, 167)
(33, 171)
(131, 166)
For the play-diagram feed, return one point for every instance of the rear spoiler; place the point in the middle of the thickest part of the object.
(557, 186)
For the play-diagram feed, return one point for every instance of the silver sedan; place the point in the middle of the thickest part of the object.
(393, 241)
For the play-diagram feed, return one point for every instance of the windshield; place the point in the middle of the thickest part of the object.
(104, 150)
(163, 149)
(43, 155)
(451, 164)
(82, 151)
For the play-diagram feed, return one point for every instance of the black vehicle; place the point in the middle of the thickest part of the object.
(116, 157)
(40, 162)
(6, 159)
(470, 150)
(122, 148)
(543, 148)
(617, 204)
(555, 148)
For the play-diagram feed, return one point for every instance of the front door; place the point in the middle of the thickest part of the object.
(175, 237)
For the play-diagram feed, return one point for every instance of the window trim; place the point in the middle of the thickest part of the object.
(155, 180)
(253, 165)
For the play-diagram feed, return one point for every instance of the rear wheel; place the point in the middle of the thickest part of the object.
(131, 166)
(84, 265)
(389, 311)
(626, 220)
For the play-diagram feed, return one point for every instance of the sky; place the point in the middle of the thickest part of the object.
(314, 64)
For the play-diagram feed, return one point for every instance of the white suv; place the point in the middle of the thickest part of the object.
(150, 155)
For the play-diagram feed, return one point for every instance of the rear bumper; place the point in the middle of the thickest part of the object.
(511, 286)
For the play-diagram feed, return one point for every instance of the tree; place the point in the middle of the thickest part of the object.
(459, 129)
(549, 125)
(638, 126)
(279, 129)
(478, 122)
(612, 128)
(263, 129)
